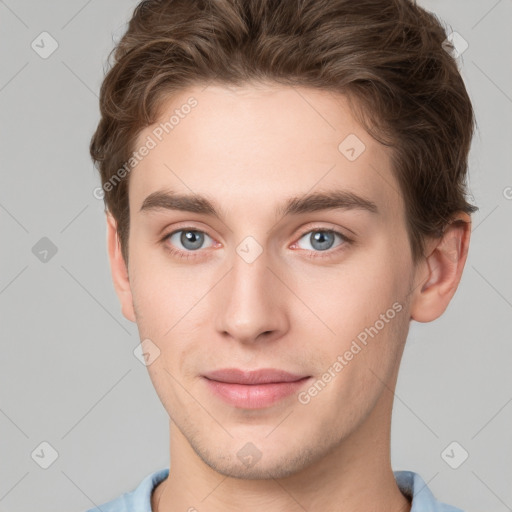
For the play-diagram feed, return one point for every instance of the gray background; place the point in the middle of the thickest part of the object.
(68, 375)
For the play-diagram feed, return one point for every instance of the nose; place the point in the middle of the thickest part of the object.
(252, 304)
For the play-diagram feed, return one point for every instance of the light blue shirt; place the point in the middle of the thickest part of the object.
(139, 500)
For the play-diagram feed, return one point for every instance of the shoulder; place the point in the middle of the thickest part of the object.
(137, 500)
(422, 500)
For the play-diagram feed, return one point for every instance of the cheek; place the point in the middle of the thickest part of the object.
(158, 290)
(365, 309)
(354, 296)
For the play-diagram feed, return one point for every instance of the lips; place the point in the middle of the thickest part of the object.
(253, 389)
(252, 377)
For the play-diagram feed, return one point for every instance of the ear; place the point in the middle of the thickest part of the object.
(438, 276)
(119, 270)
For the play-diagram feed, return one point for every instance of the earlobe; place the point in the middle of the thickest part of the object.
(119, 270)
(438, 277)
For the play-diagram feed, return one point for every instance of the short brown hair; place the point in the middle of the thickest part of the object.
(389, 57)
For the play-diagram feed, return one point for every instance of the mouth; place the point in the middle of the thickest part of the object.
(254, 389)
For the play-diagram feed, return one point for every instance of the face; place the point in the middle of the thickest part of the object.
(282, 245)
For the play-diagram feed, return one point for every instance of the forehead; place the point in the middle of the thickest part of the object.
(258, 143)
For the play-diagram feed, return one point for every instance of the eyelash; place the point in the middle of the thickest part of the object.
(186, 255)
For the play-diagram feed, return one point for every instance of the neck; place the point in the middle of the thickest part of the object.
(356, 475)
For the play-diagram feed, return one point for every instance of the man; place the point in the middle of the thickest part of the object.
(285, 191)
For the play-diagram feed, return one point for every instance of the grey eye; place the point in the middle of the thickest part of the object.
(320, 240)
(190, 239)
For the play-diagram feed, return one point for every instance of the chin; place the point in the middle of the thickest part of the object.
(249, 463)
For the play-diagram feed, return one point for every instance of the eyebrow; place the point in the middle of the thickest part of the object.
(336, 199)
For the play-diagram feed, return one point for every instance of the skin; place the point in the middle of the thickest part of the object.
(248, 150)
